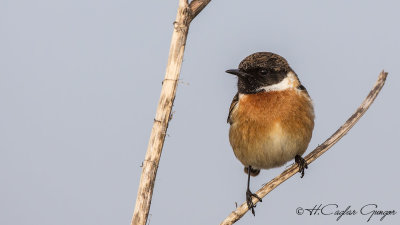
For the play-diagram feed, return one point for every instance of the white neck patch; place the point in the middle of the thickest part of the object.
(290, 81)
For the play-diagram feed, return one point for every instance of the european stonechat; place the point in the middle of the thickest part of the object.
(271, 117)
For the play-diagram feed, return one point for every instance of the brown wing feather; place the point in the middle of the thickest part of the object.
(303, 89)
(235, 100)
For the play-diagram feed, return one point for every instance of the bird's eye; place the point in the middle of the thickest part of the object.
(263, 72)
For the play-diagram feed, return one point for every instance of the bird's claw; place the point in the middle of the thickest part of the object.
(249, 201)
(302, 164)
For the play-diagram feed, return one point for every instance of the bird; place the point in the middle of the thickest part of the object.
(271, 116)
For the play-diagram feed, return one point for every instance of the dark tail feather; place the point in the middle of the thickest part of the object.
(253, 172)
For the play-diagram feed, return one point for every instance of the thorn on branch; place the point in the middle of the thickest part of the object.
(171, 115)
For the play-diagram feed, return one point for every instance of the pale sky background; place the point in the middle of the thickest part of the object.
(80, 82)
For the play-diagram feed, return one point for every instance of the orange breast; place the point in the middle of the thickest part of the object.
(270, 128)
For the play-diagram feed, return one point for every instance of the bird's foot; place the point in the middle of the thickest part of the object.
(249, 201)
(302, 164)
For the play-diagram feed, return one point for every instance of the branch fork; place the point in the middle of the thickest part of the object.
(186, 13)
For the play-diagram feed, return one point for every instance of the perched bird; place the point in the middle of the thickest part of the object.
(271, 117)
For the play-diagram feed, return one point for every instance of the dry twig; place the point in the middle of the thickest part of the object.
(186, 13)
(321, 149)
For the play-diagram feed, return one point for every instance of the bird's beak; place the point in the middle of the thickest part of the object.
(237, 72)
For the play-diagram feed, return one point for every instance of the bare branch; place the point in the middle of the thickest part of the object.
(197, 5)
(184, 16)
(321, 149)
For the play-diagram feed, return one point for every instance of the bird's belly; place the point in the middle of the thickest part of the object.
(266, 136)
(265, 147)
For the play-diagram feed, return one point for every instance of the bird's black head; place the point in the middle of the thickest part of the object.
(259, 70)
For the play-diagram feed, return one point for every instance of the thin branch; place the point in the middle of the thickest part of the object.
(321, 149)
(196, 6)
(186, 13)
